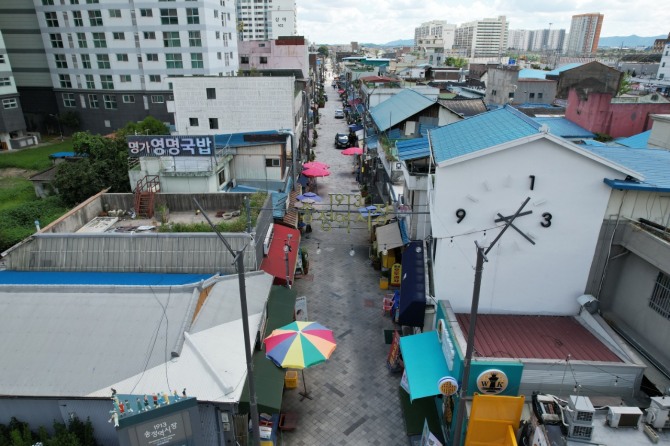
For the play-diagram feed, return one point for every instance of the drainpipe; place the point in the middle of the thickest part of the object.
(293, 155)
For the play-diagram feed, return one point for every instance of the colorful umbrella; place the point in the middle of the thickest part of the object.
(314, 172)
(299, 345)
(352, 151)
(309, 196)
(317, 164)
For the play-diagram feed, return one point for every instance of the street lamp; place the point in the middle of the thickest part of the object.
(60, 127)
(239, 260)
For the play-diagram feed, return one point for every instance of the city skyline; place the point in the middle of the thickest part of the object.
(380, 21)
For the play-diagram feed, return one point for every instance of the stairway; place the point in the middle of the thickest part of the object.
(145, 193)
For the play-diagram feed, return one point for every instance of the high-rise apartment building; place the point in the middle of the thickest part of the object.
(109, 60)
(584, 34)
(263, 20)
(482, 38)
(434, 39)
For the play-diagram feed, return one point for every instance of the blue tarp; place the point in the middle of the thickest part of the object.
(97, 278)
(412, 286)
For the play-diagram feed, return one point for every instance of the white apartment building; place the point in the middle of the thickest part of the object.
(664, 67)
(482, 38)
(109, 60)
(584, 34)
(266, 20)
(435, 39)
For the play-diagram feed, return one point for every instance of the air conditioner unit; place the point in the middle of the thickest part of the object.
(580, 418)
(623, 416)
(658, 414)
(268, 239)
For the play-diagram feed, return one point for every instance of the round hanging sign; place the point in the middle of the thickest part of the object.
(492, 382)
(447, 385)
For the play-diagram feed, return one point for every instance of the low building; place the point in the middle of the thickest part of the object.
(287, 55)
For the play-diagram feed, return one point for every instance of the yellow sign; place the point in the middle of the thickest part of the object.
(447, 385)
(396, 274)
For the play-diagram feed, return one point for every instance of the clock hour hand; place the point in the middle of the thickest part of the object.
(507, 219)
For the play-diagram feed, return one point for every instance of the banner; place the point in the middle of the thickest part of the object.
(301, 309)
(163, 145)
(393, 362)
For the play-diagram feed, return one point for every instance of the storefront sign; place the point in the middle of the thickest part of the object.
(404, 382)
(393, 360)
(158, 145)
(427, 437)
(396, 274)
(447, 385)
(301, 308)
(492, 382)
(447, 346)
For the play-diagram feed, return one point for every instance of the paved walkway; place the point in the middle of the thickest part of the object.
(355, 398)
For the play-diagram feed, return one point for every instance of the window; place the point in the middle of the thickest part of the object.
(48, 2)
(106, 82)
(65, 81)
(539, 95)
(90, 82)
(216, 13)
(194, 38)
(122, 57)
(663, 64)
(128, 99)
(171, 39)
(660, 296)
(149, 35)
(91, 2)
(99, 40)
(173, 60)
(661, 75)
(95, 18)
(74, 2)
(52, 19)
(110, 101)
(157, 99)
(115, 13)
(68, 100)
(211, 93)
(192, 17)
(531, 95)
(146, 13)
(61, 62)
(93, 101)
(218, 34)
(125, 77)
(264, 59)
(272, 162)
(78, 21)
(154, 78)
(169, 17)
(244, 59)
(86, 61)
(152, 57)
(2, 58)
(213, 123)
(10, 103)
(119, 36)
(56, 41)
(81, 40)
(196, 60)
(511, 95)
(5, 82)
(103, 61)
(192, 122)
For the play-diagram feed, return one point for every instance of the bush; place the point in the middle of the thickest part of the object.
(18, 222)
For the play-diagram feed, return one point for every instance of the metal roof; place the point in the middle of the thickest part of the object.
(529, 73)
(569, 66)
(535, 337)
(465, 107)
(652, 164)
(249, 138)
(480, 132)
(564, 128)
(97, 278)
(411, 149)
(399, 107)
(639, 141)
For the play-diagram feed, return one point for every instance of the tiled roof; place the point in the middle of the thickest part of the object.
(639, 141)
(465, 107)
(399, 107)
(653, 164)
(480, 132)
(564, 128)
(535, 337)
(411, 149)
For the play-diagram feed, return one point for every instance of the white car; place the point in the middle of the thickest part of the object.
(339, 114)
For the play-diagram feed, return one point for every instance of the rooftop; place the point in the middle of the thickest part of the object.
(399, 107)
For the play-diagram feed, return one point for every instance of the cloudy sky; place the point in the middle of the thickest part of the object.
(381, 21)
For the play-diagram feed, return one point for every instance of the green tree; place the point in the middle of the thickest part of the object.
(103, 164)
(148, 126)
(457, 62)
(625, 85)
(323, 50)
(69, 119)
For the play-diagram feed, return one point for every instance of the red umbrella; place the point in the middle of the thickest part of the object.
(317, 164)
(352, 151)
(316, 172)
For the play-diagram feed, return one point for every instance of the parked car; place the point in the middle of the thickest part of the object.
(339, 114)
(341, 140)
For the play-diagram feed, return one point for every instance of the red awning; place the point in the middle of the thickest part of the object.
(275, 262)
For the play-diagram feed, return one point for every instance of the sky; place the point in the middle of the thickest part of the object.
(382, 21)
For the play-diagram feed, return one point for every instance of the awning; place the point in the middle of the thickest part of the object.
(424, 363)
(268, 377)
(412, 305)
(275, 262)
(388, 237)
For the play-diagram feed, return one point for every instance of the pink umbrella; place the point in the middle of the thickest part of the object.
(316, 172)
(317, 164)
(352, 151)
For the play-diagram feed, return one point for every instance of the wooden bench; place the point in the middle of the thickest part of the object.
(288, 421)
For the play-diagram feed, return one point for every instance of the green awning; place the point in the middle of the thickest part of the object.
(268, 377)
(415, 412)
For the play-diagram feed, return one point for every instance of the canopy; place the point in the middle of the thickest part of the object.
(275, 262)
(424, 363)
(388, 237)
(412, 305)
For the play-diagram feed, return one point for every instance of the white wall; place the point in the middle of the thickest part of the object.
(545, 278)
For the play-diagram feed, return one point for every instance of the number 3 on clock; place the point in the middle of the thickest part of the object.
(547, 220)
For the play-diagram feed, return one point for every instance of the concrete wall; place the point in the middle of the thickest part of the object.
(529, 91)
(500, 83)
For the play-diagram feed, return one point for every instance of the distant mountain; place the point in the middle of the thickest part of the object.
(406, 42)
(628, 41)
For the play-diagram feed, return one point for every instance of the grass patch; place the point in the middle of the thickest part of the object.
(14, 191)
(18, 222)
(35, 158)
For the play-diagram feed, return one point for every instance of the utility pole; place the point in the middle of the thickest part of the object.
(479, 269)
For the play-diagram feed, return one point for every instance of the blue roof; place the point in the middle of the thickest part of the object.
(238, 139)
(97, 278)
(653, 164)
(528, 73)
(62, 155)
(594, 143)
(569, 66)
(564, 128)
(639, 141)
(411, 149)
(480, 132)
(399, 107)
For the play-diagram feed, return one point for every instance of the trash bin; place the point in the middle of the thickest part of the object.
(291, 379)
(384, 283)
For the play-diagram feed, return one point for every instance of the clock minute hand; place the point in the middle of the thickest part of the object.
(507, 219)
